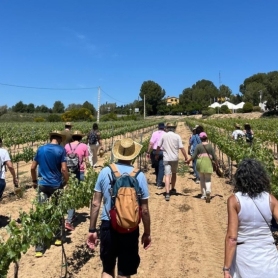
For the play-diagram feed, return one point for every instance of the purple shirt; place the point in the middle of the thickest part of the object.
(155, 138)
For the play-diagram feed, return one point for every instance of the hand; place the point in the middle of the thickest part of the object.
(227, 274)
(92, 240)
(15, 182)
(146, 241)
(156, 157)
(34, 185)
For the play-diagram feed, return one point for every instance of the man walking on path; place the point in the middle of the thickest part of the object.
(171, 143)
(113, 244)
(67, 133)
(5, 161)
(53, 174)
(158, 164)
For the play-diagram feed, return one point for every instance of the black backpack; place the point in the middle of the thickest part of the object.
(249, 136)
(73, 160)
(92, 138)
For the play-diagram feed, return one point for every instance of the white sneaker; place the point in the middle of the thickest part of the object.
(203, 197)
(197, 181)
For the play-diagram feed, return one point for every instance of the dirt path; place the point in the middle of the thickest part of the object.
(187, 235)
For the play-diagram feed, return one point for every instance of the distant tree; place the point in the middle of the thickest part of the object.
(224, 109)
(81, 114)
(236, 99)
(58, 107)
(19, 107)
(73, 106)
(225, 91)
(89, 106)
(3, 109)
(30, 108)
(154, 95)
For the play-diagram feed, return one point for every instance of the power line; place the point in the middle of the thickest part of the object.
(114, 98)
(45, 88)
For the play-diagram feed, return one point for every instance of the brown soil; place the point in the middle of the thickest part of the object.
(187, 234)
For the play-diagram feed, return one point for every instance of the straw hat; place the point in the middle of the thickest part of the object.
(170, 125)
(78, 132)
(68, 123)
(237, 125)
(58, 133)
(126, 149)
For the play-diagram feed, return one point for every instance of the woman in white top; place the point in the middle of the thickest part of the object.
(249, 246)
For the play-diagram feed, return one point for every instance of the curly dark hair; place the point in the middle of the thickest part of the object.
(199, 129)
(251, 178)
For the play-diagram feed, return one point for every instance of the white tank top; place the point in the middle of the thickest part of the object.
(252, 227)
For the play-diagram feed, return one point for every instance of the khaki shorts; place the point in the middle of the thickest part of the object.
(170, 167)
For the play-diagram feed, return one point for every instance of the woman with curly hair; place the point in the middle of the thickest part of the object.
(249, 246)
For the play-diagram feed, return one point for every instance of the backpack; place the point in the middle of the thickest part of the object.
(125, 213)
(92, 138)
(249, 136)
(73, 160)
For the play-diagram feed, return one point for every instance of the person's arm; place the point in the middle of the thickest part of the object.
(146, 219)
(12, 171)
(92, 239)
(34, 174)
(99, 139)
(194, 155)
(231, 235)
(274, 206)
(65, 173)
(184, 154)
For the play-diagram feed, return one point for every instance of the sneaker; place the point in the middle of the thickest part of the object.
(197, 181)
(38, 254)
(58, 242)
(203, 197)
(160, 187)
(173, 191)
(167, 197)
(207, 197)
(69, 226)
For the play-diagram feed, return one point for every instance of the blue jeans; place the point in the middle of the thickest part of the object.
(2, 186)
(159, 169)
(44, 193)
(71, 212)
(195, 169)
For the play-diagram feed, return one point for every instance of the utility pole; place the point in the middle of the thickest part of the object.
(144, 107)
(98, 104)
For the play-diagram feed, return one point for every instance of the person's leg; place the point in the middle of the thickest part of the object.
(160, 170)
(90, 155)
(174, 169)
(203, 185)
(108, 251)
(168, 173)
(195, 171)
(2, 186)
(94, 149)
(208, 186)
(128, 254)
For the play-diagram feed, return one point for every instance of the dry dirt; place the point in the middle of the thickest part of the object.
(187, 234)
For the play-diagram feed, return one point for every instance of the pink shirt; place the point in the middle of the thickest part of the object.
(81, 151)
(155, 138)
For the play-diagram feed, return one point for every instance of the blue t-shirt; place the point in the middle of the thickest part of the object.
(103, 185)
(49, 157)
(194, 141)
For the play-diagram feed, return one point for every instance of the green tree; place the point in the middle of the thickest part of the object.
(247, 107)
(19, 107)
(154, 95)
(73, 106)
(89, 106)
(58, 107)
(81, 114)
(30, 108)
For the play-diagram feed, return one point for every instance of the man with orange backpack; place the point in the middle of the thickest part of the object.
(124, 190)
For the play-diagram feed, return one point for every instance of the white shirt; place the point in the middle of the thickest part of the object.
(236, 133)
(4, 156)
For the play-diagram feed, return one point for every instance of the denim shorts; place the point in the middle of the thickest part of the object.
(115, 245)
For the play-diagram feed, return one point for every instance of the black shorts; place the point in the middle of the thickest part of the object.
(114, 245)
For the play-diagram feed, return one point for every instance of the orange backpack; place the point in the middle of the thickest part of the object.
(125, 213)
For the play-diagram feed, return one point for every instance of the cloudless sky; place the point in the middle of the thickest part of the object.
(118, 45)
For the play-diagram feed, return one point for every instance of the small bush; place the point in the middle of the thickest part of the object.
(54, 118)
(225, 110)
(39, 120)
(257, 109)
(239, 110)
(247, 107)
(208, 112)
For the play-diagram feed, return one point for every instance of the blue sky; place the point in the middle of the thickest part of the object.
(118, 45)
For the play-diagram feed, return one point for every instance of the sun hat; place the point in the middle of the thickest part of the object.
(237, 125)
(58, 133)
(194, 128)
(170, 125)
(126, 149)
(78, 132)
(68, 123)
(161, 126)
(203, 135)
